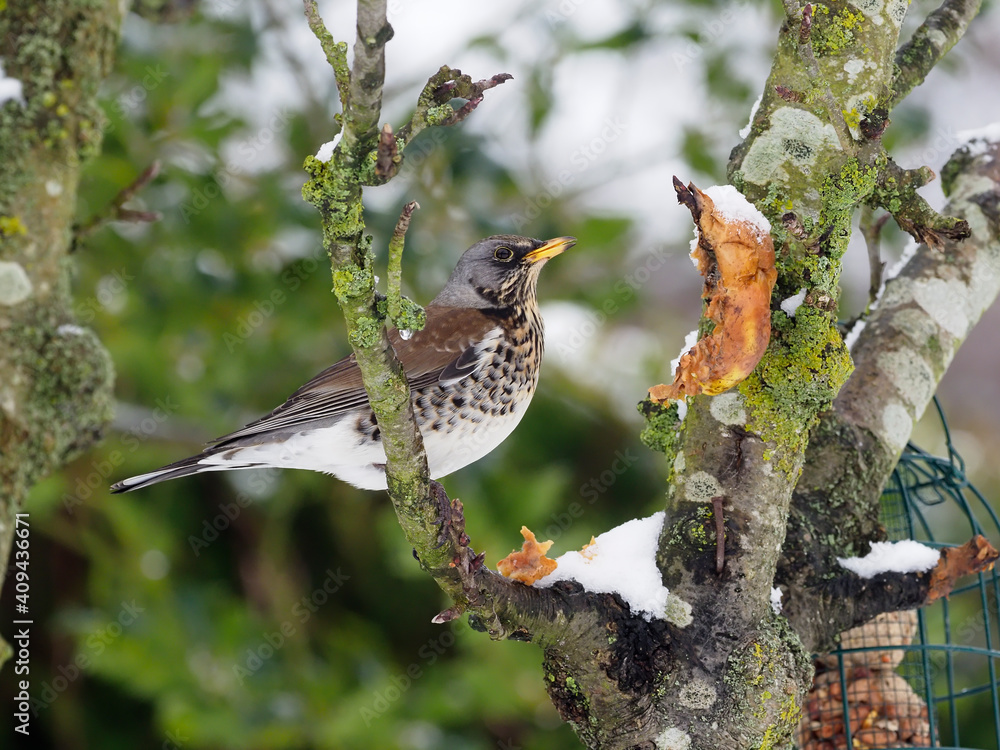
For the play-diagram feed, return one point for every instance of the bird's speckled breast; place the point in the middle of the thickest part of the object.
(464, 421)
(502, 386)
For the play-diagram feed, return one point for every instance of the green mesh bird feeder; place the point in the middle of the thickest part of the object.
(922, 678)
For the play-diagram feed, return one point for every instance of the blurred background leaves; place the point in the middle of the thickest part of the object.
(283, 610)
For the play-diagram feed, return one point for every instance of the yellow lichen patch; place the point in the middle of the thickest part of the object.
(530, 564)
(736, 256)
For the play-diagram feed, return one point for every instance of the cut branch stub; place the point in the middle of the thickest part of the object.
(736, 256)
(387, 158)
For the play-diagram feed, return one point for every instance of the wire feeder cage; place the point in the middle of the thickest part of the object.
(925, 678)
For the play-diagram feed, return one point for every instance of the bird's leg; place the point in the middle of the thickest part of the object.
(720, 533)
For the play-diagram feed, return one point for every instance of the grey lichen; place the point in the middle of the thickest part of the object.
(15, 286)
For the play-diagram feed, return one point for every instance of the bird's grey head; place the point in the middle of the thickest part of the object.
(500, 271)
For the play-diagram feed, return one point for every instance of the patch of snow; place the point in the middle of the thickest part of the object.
(776, 600)
(405, 334)
(327, 149)
(906, 556)
(621, 561)
(731, 205)
(694, 246)
(852, 336)
(980, 139)
(792, 304)
(68, 329)
(896, 268)
(10, 88)
(745, 130)
(689, 341)
(682, 409)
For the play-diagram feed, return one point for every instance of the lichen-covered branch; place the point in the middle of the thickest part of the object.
(55, 377)
(845, 599)
(930, 42)
(445, 85)
(336, 52)
(907, 343)
(335, 189)
(896, 191)
(814, 155)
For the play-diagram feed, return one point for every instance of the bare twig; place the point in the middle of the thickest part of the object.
(116, 211)
(388, 158)
(336, 52)
(277, 18)
(871, 229)
(930, 42)
(433, 107)
(395, 272)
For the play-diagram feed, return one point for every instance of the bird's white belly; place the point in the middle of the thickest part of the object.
(340, 451)
(468, 441)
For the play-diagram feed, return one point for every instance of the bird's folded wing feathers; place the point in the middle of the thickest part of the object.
(445, 351)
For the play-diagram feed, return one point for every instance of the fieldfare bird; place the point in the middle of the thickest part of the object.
(472, 371)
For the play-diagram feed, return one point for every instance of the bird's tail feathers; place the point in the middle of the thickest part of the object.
(182, 468)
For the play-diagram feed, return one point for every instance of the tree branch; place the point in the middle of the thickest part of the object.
(441, 88)
(871, 228)
(366, 155)
(844, 599)
(896, 191)
(116, 211)
(930, 42)
(836, 116)
(55, 376)
(905, 348)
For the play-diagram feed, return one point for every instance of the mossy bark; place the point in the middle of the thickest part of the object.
(813, 157)
(908, 342)
(55, 376)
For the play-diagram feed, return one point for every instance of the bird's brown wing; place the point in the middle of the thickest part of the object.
(444, 351)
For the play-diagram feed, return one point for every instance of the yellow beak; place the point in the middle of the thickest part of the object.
(551, 249)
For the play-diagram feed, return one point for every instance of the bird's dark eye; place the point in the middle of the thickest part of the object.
(503, 253)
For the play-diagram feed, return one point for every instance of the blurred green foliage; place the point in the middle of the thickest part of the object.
(284, 610)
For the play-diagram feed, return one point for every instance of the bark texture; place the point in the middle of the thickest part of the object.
(907, 344)
(55, 376)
